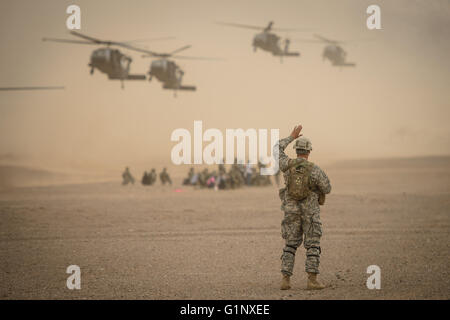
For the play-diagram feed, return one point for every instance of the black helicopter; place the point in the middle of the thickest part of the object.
(167, 71)
(268, 41)
(106, 59)
(333, 51)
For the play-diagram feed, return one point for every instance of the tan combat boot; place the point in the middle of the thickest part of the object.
(285, 282)
(313, 283)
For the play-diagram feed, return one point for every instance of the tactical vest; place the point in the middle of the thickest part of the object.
(298, 181)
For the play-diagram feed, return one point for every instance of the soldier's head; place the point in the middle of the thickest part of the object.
(303, 147)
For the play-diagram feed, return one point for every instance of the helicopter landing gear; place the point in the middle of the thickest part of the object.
(92, 71)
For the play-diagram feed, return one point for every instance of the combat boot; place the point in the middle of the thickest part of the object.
(313, 283)
(285, 282)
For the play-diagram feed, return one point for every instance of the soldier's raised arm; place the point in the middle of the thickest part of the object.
(281, 146)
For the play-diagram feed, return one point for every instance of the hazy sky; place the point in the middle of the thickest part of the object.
(394, 103)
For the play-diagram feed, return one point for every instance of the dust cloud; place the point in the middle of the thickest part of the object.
(395, 103)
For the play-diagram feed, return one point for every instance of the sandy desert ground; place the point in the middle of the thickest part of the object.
(140, 242)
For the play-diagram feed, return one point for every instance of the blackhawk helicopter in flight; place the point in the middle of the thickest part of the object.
(106, 59)
(167, 71)
(332, 51)
(267, 40)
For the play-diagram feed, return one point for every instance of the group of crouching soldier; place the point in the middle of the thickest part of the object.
(148, 179)
(237, 176)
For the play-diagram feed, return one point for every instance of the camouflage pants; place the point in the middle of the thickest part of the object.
(298, 227)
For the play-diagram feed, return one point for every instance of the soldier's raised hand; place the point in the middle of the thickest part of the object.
(296, 132)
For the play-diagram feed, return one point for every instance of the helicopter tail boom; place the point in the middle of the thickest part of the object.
(288, 54)
(187, 88)
(129, 77)
(136, 77)
(347, 64)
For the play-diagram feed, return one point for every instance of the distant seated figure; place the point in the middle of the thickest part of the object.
(221, 181)
(248, 173)
(203, 177)
(164, 177)
(127, 177)
(187, 181)
(152, 176)
(211, 182)
(146, 179)
(194, 179)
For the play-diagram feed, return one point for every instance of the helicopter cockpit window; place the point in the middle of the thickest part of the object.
(159, 64)
(261, 37)
(101, 54)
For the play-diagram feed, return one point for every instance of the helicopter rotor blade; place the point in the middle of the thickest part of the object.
(31, 88)
(91, 40)
(179, 50)
(87, 37)
(98, 41)
(339, 41)
(308, 41)
(148, 40)
(327, 40)
(267, 28)
(292, 29)
(239, 25)
(150, 54)
(67, 41)
(197, 58)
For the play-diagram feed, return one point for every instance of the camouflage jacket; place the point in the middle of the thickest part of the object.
(319, 182)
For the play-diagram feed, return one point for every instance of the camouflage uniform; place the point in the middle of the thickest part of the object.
(301, 221)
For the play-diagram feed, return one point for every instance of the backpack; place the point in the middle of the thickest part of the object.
(298, 181)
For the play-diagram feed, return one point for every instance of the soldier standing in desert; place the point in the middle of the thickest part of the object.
(306, 186)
